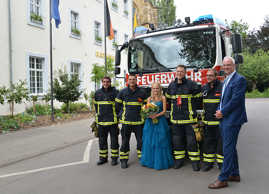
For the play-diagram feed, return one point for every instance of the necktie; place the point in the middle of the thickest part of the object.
(223, 90)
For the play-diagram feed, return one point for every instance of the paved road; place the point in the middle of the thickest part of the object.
(72, 169)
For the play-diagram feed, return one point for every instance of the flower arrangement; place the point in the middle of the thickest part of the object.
(150, 109)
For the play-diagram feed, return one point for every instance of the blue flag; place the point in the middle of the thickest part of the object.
(55, 12)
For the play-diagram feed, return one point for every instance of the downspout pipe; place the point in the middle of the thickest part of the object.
(10, 44)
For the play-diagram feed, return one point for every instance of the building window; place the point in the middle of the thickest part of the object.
(114, 4)
(125, 10)
(75, 69)
(97, 32)
(115, 40)
(35, 12)
(75, 24)
(36, 73)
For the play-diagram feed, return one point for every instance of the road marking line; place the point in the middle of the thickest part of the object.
(86, 159)
(86, 156)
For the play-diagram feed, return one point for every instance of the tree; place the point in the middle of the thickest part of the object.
(98, 72)
(263, 35)
(167, 11)
(2, 94)
(15, 94)
(66, 88)
(256, 69)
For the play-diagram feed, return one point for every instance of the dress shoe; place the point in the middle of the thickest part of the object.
(114, 161)
(123, 164)
(220, 165)
(234, 178)
(178, 164)
(207, 167)
(102, 161)
(195, 166)
(218, 184)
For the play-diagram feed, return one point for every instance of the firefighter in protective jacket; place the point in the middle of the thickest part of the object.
(129, 102)
(106, 119)
(212, 145)
(182, 94)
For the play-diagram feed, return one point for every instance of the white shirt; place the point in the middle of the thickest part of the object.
(226, 82)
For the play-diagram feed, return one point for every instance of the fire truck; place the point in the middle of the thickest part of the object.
(154, 54)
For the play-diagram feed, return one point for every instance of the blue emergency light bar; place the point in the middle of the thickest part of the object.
(209, 19)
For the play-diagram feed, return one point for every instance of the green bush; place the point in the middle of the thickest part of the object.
(8, 124)
(75, 108)
(257, 94)
(24, 118)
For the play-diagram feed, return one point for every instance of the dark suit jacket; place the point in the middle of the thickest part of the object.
(233, 102)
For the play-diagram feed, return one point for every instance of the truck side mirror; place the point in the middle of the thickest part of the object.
(237, 43)
(117, 57)
(117, 70)
(238, 59)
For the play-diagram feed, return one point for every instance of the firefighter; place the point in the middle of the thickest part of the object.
(212, 145)
(182, 94)
(129, 102)
(106, 119)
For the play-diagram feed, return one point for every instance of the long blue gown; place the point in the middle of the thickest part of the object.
(156, 148)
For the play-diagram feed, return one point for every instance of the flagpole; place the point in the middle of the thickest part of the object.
(51, 68)
(105, 1)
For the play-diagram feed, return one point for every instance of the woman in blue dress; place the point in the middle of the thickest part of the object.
(156, 148)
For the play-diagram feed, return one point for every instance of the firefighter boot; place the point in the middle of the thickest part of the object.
(196, 166)
(102, 161)
(207, 166)
(114, 161)
(123, 164)
(178, 164)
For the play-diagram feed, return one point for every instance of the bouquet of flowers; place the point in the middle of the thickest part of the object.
(150, 109)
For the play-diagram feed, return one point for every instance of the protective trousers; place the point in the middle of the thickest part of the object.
(212, 145)
(183, 138)
(126, 132)
(103, 131)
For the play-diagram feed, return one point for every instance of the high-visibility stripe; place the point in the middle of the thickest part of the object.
(197, 95)
(190, 108)
(103, 155)
(211, 122)
(179, 156)
(114, 155)
(194, 158)
(219, 161)
(132, 122)
(124, 153)
(138, 151)
(103, 151)
(179, 152)
(209, 155)
(104, 102)
(208, 160)
(124, 157)
(220, 156)
(211, 100)
(176, 96)
(194, 153)
(133, 103)
(194, 120)
(114, 151)
(118, 100)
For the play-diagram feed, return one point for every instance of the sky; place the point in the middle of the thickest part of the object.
(251, 12)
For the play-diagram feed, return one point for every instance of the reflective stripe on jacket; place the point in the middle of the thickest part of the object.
(104, 101)
(187, 91)
(129, 103)
(211, 100)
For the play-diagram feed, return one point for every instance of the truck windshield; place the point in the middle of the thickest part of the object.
(194, 49)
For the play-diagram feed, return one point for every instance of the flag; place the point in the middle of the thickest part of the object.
(108, 25)
(55, 12)
(135, 21)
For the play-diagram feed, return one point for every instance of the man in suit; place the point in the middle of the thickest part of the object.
(232, 113)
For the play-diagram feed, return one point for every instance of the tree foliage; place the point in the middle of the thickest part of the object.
(167, 11)
(66, 88)
(256, 69)
(16, 94)
(98, 71)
